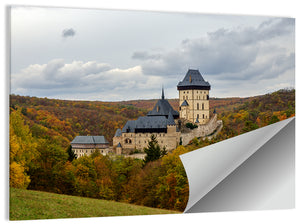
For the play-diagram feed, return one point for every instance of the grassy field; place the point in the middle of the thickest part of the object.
(26, 204)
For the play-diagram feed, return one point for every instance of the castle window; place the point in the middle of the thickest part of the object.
(183, 98)
(198, 106)
(203, 116)
(202, 106)
(162, 141)
(187, 97)
(207, 97)
(197, 116)
(128, 141)
(184, 92)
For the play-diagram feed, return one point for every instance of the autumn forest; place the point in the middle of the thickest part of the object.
(41, 158)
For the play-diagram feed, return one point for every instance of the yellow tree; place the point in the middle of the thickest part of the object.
(22, 150)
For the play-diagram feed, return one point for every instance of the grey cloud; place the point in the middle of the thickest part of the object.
(68, 32)
(276, 27)
(241, 53)
(144, 55)
(250, 35)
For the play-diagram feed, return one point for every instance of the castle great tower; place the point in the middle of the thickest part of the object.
(194, 97)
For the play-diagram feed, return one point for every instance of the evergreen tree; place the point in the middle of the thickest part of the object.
(153, 150)
(71, 154)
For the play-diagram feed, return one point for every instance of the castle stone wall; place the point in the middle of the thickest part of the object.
(201, 131)
(131, 141)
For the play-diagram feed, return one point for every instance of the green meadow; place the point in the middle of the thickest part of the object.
(28, 205)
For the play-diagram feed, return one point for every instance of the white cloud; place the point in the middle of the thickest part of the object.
(84, 80)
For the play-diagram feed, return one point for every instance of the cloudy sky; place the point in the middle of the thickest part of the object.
(113, 55)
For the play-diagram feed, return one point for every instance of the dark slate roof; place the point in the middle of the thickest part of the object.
(129, 126)
(118, 132)
(148, 122)
(193, 78)
(184, 103)
(162, 108)
(89, 140)
(119, 145)
(171, 119)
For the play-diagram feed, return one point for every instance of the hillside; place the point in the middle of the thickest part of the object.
(28, 205)
(41, 131)
(66, 119)
(258, 112)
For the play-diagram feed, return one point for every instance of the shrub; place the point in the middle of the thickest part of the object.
(191, 125)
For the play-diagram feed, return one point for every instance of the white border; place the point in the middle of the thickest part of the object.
(286, 8)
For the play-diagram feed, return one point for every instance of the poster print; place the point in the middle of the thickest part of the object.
(107, 105)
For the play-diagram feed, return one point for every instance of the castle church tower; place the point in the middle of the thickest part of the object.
(194, 97)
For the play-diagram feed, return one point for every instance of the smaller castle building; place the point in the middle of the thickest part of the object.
(86, 145)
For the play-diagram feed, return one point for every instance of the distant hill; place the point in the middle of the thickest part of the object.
(66, 118)
(28, 205)
(256, 112)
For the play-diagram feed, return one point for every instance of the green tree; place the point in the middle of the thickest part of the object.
(274, 119)
(191, 125)
(249, 126)
(71, 154)
(153, 150)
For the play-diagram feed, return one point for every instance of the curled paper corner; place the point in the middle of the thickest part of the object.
(223, 177)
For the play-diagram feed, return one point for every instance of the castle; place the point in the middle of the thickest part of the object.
(163, 121)
(160, 122)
